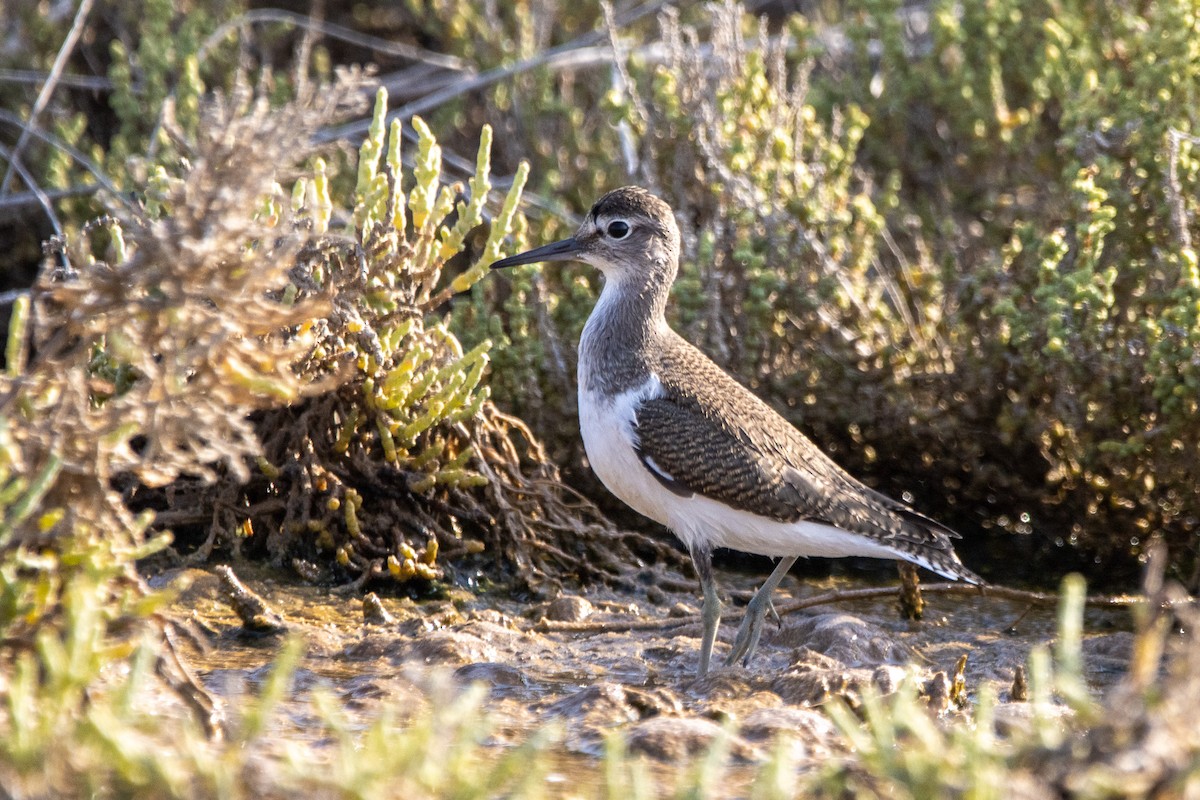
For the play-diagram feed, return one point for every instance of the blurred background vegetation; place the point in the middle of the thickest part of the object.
(953, 242)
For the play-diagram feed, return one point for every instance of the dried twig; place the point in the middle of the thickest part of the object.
(60, 62)
(1175, 194)
(252, 610)
(114, 195)
(912, 604)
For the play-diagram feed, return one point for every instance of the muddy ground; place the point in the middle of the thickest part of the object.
(640, 681)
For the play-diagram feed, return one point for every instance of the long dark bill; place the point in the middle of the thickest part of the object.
(566, 250)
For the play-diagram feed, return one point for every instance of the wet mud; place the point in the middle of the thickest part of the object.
(640, 682)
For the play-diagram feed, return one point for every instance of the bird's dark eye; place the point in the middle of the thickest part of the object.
(618, 229)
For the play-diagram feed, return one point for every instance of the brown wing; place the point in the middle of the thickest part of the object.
(716, 439)
(693, 452)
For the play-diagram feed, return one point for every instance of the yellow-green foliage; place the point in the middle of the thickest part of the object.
(781, 233)
(138, 364)
(787, 232)
(61, 602)
(1135, 742)
(162, 62)
(412, 396)
(1046, 154)
(956, 240)
(127, 740)
(420, 375)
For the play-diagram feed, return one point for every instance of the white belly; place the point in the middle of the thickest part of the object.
(607, 426)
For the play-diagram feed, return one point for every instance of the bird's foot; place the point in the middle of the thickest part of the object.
(750, 630)
(775, 614)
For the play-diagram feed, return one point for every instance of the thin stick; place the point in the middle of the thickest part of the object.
(1175, 196)
(578, 53)
(13, 203)
(76, 155)
(37, 191)
(333, 31)
(43, 98)
(93, 83)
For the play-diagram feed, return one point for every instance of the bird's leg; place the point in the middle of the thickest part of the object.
(711, 613)
(751, 627)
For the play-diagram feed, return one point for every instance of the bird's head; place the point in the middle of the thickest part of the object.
(629, 235)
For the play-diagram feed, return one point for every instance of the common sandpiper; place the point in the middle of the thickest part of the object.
(680, 441)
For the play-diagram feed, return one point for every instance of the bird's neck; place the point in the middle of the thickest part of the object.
(622, 333)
